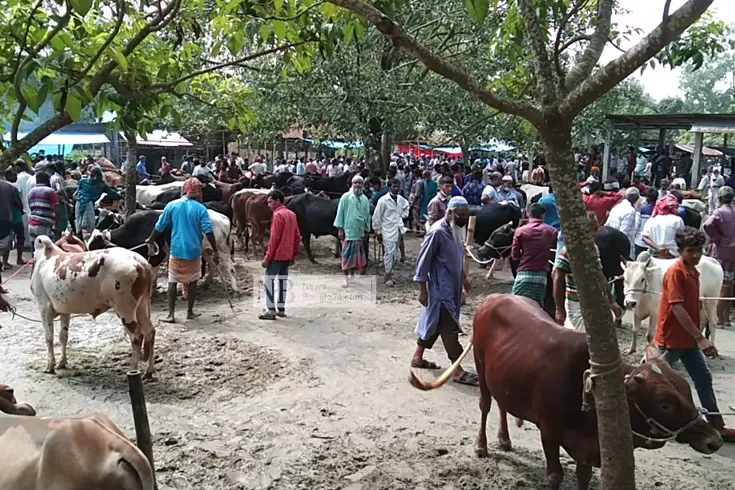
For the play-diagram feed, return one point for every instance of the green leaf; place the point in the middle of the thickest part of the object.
(349, 32)
(119, 58)
(81, 7)
(481, 8)
(265, 31)
(360, 30)
(279, 27)
(278, 4)
(73, 106)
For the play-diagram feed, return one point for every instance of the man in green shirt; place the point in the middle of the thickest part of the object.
(18, 230)
(352, 223)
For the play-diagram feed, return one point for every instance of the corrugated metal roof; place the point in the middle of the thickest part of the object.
(708, 152)
(714, 127)
(667, 121)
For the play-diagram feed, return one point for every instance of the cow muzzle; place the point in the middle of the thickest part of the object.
(631, 302)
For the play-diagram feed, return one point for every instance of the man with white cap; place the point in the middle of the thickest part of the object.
(622, 216)
(352, 223)
(441, 278)
(506, 194)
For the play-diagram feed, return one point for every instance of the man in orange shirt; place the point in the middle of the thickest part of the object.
(678, 335)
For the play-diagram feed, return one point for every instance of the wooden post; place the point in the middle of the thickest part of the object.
(140, 416)
(468, 241)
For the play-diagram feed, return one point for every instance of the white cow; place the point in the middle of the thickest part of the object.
(223, 238)
(63, 453)
(533, 190)
(93, 282)
(643, 287)
(146, 194)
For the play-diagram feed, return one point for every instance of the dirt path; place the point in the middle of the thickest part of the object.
(315, 401)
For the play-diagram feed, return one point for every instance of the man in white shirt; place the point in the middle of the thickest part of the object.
(25, 183)
(335, 169)
(622, 216)
(388, 218)
(257, 168)
(659, 232)
(490, 192)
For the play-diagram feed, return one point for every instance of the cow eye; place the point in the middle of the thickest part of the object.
(666, 407)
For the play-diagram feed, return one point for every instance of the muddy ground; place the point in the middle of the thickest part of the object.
(315, 401)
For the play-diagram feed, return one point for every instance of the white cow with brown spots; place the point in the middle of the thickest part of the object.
(93, 282)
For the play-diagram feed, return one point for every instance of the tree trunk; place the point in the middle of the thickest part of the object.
(386, 145)
(465, 152)
(613, 420)
(131, 176)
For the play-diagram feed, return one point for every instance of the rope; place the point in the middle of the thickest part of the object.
(15, 313)
(589, 377)
(645, 291)
(30, 262)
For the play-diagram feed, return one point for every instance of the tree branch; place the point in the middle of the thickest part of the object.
(618, 70)
(592, 54)
(537, 39)
(15, 150)
(667, 7)
(170, 85)
(106, 44)
(575, 39)
(398, 36)
(290, 19)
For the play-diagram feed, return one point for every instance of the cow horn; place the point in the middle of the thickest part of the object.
(622, 265)
(471, 254)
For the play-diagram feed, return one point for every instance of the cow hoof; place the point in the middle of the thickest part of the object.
(61, 365)
(481, 452)
(505, 446)
(50, 370)
(630, 351)
(149, 376)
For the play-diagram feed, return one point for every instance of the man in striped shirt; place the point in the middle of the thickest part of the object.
(44, 205)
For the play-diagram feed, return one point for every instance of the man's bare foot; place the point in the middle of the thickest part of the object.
(192, 315)
(169, 319)
(21, 262)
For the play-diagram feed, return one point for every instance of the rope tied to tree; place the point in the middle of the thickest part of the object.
(588, 378)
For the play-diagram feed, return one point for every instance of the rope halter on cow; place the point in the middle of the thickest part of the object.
(657, 428)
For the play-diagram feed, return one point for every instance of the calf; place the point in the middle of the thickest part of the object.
(535, 369)
(93, 282)
(62, 453)
(644, 283)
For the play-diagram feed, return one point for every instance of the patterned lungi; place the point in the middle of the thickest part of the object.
(531, 284)
(183, 271)
(353, 255)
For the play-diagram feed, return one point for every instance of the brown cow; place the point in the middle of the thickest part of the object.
(228, 190)
(114, 179)
(245, 216)
(71, 243)
(9, 405)
(534, 369)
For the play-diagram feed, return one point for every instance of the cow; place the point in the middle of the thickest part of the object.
(93, 282)
(131, 235)
(691, 217)
(10, 406)
(167, 196)
(333, 186)
(220, 207)
(145, 195)
(258, 216)
(238, 203)
(69, 453)
(71, 243)
(643, 286)
(315, 216)
(225, 248)
(535, 370)
(113, 179)
(490, 221)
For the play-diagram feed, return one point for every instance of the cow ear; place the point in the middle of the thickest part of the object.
(652, 352)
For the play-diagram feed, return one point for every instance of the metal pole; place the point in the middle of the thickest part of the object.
(140, 416)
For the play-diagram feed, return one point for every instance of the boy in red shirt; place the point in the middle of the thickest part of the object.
(678, 335)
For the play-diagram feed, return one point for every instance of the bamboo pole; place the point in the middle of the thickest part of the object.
(140, 416)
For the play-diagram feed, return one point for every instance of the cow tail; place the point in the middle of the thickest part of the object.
(442, 379)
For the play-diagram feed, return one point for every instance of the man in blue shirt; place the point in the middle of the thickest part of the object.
(89, 190)
(188, 219)
(142, 169)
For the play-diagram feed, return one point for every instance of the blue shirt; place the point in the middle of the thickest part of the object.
(90, 190)
(551, 216)
(472, 192)
(188, 219)
(300, 168)
(142, 171)
(377, 195)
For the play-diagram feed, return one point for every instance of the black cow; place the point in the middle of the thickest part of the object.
(334, 186)
(489, 219)
(220, 207)
(211, 193)
(133, 233)
(296, 183)
(167, 196)
(315, 216)
(108, 220)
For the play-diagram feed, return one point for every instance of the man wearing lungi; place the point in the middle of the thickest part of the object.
(188, 219)
(566, 297)
(532, 244)
(352, 223)
(441, 277)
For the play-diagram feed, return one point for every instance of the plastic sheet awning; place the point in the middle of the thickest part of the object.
(68, 139)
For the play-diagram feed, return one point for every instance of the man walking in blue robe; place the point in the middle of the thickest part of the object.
(441, 277)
